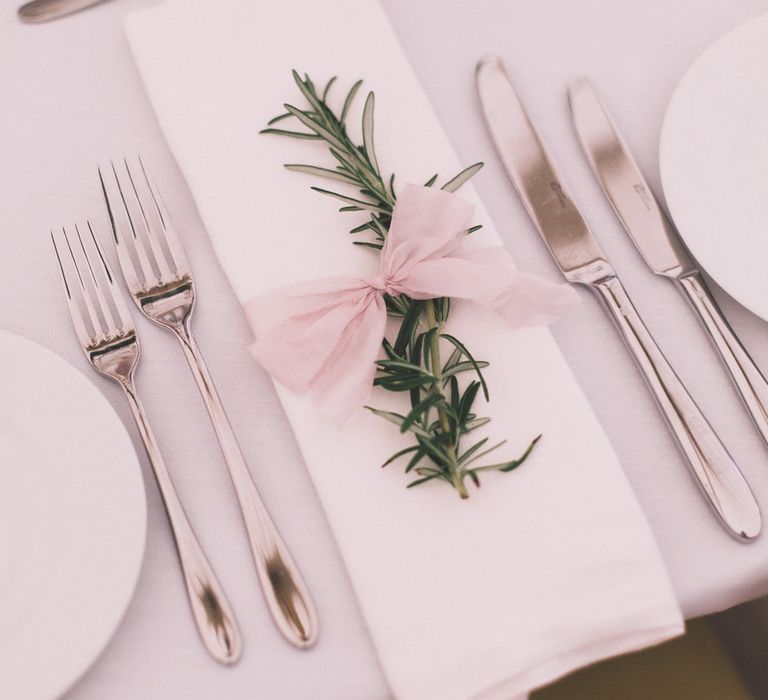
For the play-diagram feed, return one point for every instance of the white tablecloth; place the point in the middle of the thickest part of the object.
(71, 98)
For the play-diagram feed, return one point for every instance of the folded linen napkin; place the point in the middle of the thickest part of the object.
(543, 570)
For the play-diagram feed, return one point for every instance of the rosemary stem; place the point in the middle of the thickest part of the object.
(437, 364)
(439, 440)
(437, 369)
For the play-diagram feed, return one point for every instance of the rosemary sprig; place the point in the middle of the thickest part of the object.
(442, 415)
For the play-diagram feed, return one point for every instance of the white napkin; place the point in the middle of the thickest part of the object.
(543, 570)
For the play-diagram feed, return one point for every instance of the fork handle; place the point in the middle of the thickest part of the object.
(284, 589)
(713, 468)
(749, 381)
(212, 612)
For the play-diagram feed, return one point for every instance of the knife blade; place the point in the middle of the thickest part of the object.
(582, 261)
(657, 240)
(44, 10)
(624, 185)
(536, 179)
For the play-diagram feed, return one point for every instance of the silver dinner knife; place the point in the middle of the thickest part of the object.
(582, 261)
(44, 10)
(658, 242)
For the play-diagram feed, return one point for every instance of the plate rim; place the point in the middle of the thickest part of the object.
(59, 682)
(678, 213)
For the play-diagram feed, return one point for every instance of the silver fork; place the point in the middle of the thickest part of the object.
(108, 337)
(159, 278)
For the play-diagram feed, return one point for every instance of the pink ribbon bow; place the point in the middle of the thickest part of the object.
(325, 335)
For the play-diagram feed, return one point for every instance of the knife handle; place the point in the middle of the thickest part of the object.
(749, 381)
(713, 468)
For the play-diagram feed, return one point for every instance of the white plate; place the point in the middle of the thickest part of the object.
(72, 521)
(714, 162)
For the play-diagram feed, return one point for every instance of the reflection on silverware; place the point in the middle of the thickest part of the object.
(658, 241)
(44, 10)
(582, 261)
(108, 337)
(159, 278)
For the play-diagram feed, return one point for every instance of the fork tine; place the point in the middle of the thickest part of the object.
(179, 257)
(137, 240)
(123, 254)
(106, 311)
(126, 321)
(74, 310)
(98, 331)
(153, 230)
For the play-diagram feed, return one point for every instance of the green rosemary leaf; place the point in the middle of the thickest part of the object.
(349, 164)
(474, 423)
(400, 453)
(432, 471)
(366, 244)
(389, 350)
(416, 349)
(403, 364)
(361, 227)
(463, 367)
(396, 305)
(415, 395)
(435, 450)
(423, 480)
(458, 344)
(435, 426)
(314, 125)
(278, 118)
(417, 457)
(410, 322)
(369, 206)
(454, 386)
(448, 409)
(398, 419)
(392, 186)
(454, 183)
(475, 478)
(307, 89)
(464, 457)
(345, 162)
(370, 102)
(348, 100)
(320, 172)
(512, 464)
(291, 134)
(472, 229)
(419, 409)
(467, 399)
(422, 471)
(327, 88)
(454, 357)
(442, 309)
(379, 227)
(352, 208)
(402, 383)
(515, 463)
(465, 460)
(431, 181)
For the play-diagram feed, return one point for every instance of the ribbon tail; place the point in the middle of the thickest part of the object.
(533, 301)
(345, 382)
(522, 299)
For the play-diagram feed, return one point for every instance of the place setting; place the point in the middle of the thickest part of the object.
(490, 530)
